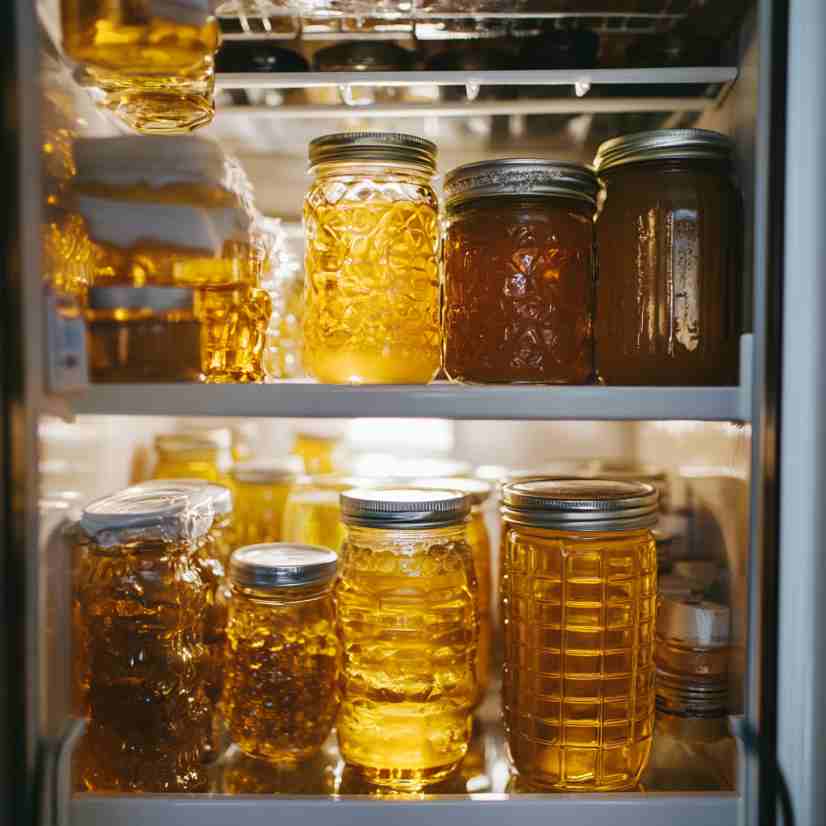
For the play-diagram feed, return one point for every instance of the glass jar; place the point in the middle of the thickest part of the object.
(478, 493)
(579, 584)
(692, 637)
(141, 600)
(320, 449)
(671, 233)
(281, 688)
(153, 60)
(261, 490)
(519, 272)
(408, 620)
(372, 283)
(142, 334)
(200, 454)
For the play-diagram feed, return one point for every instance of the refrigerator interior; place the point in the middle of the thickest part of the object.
(95, 440)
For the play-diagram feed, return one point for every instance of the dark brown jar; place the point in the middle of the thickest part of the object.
(670, 241)
(519, 272)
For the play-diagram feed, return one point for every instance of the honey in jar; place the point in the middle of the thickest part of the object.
(319, 449)
(671, 241)
(479, 493)
(408, 621)
(261, 489)
(141, 600)
(199, 454)
(578, 603)
(371, 220)
(281, 686)
(154, 60)
(519, 272)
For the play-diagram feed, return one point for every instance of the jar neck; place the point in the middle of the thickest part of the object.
(360, 535)
(374, 170)
(282, 595)
(146, 547)
(716, 166)
(577, 536)
(523, 202)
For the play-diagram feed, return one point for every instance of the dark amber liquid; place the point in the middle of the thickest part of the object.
(519, 291)
(669, 291)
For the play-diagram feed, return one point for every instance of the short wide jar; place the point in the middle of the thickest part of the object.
(578, 603)
(371, 219)
(671, 241)
(519, 272)
(281, 684)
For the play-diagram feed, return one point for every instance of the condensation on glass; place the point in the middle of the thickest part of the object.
(371, 219)
(519, 275)
(199, 454)
(140, 602)
(280, 692)
(152, 60)
(408, 619)
(578, 591)
(671, 242)
(261, 490)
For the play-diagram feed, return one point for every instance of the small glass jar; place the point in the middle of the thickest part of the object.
(519, 272)
(261, 490)
(692, 637)
(141, 599)
(408, 620)
(579, 585)
(142, 334)
(281, 687)
(371, 220)
(479, 493)
(199, 454)
(671, 236)
(320, 449)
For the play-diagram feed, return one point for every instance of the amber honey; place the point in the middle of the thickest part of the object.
(280, 692)
(408, 622)
(261, 490)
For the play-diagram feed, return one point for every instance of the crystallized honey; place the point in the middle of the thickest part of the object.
(280, 693)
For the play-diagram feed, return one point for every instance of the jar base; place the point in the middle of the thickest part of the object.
(404, 780)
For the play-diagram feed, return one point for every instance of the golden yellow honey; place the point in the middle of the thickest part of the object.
(407, 613)
(261, 490)
(318, 452)
(198, 455)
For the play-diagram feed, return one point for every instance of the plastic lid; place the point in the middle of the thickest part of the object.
(581, 504)
(697, 623)
(150, 515)
(220, 494)
(264, 472)
(282, 565)
(403, 507)
(374, 146)
(662, 144)
(521, 176)
(158, 299)
(477, 490)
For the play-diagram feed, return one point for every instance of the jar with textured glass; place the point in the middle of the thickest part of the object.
(669, 295)
(408, 622)
(141, 601)
(261, 490)
(519, 272)
(200, 454)
(372, 283)
(281, 688)
(478, 493)
(578, 602)
(153, 60)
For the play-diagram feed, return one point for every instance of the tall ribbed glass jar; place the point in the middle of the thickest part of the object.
(579, 586)
(371, 219)
(141, 599)
(281, 688)
(261, 490)
(408, 622)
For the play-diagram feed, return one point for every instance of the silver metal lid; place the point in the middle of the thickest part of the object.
(264, 472)
(404, 507)
(158, 299)
(221, 495)
(477, 490)
(374, 146)
(521, 176)
(687, 696)
(282, 565)
(659, 144)
(694, 622)
(580, 504)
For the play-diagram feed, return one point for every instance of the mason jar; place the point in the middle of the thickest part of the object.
(371, 219)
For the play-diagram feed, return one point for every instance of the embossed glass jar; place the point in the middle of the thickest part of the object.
(519, 272)
(371, 221)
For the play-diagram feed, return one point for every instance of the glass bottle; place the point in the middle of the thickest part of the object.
(520, 270)
(579, 584)
(201, 454)
(261, 490)
(140, 601)
(371, 220)
(281, 688)
(408, 621)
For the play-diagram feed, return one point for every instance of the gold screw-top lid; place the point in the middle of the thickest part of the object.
(581, 504)
(663, 144)
(404, 507)
(392, 147)
(219, 438)
(282, 565)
